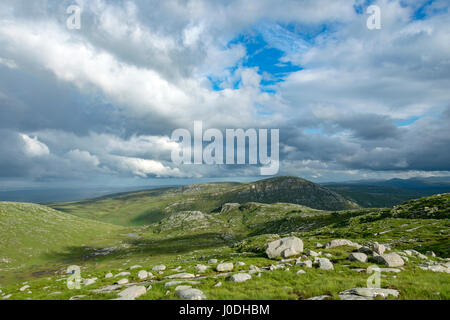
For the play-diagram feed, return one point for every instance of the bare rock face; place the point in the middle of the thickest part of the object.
(284, 248)
(391, 260)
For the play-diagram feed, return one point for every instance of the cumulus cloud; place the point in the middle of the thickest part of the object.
(102, 101)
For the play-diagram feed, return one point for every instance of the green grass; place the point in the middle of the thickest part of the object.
(37, 238)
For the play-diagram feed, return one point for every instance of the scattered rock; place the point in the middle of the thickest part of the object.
(218, 284)
(122, 274)
(107, 289)
(358, 256)
(109, 275)
(225, 267)
(88, 282)
(341, 242)
(312, 253)
(319, 245)
(132, 293)
(142, 275)
(284, 248)
(122, 281)
(135, 267)
(371, 292)
(182, 287)
(324, 297)
(378, 248)
(240, 277)
(24, 288)
(159, 268)
(390, 259)
(191, 294)
(306, 263)
(430, 253)
(324, 264)
(200, 268)
(181, 276)
(301, 272)
(240, 264)
(212, 261)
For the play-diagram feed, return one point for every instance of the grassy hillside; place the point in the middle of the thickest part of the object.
(146, 207)
(239, 233)
(31, 234)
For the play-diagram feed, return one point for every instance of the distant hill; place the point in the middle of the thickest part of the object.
(382, 194)
(140, 208)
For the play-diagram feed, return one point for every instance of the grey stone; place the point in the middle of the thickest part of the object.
(240, 277)
(390, 259)
(341, 242)
(181, 276)
(132, 293)
(191, 294)
(159, 268)
(225, 267)
(284, 248)
(324, 264)
(371, 292)
(358, 256)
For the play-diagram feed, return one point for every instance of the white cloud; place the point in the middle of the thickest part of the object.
(33, 147)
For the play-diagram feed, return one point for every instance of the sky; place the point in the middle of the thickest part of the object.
(97, 105)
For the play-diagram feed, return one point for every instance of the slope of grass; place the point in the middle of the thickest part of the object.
(30, 234)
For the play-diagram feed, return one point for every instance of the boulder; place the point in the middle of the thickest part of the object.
(200, 268)
(430, 253)
(122, 274)
(159, 268)
(191, 294)
(378, 248)
(225, 267)
(181, 276)
(132, 293)
(371, 292)
(358, 256)
(142, 275)
(306, 263)
(390, 259)
(240, 277)
(341, 242)
(324, 264)
(312, 253)
(122, 281)
(284, 248)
